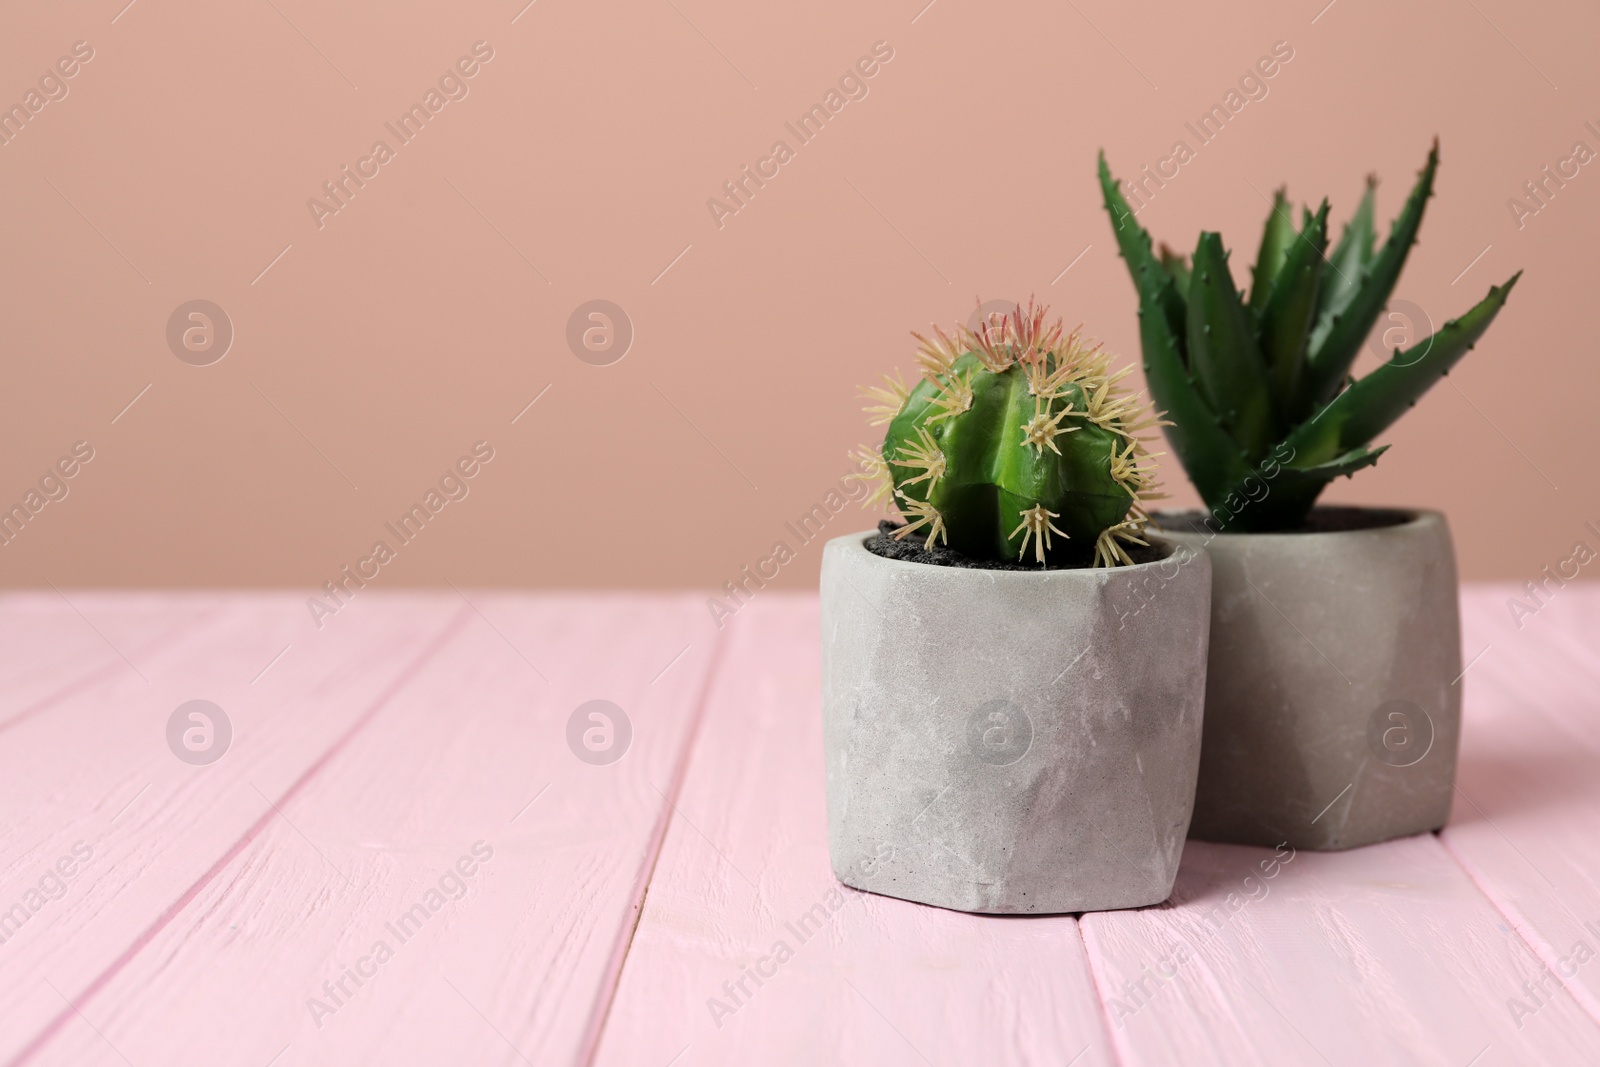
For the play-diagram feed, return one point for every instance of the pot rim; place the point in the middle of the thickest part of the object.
(1409, 519)
(857, 543)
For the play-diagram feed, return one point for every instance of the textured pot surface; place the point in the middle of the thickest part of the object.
(1011, 741)
(1333, 699)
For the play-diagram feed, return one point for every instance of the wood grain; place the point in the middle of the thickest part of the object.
(466, 764)
(1526, 823)
(868, 980)
(58, 643)
(94, 771)
(625, 904)
(1384, 954)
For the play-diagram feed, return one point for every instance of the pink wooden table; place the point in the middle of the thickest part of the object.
(399, 860)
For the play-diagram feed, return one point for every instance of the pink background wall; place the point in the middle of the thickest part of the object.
(372, 351)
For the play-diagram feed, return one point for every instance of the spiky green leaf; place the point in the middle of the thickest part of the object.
(1372, 404)
(1339, 466)
(1209, 454)
(1223, 353)
(1280, 497)
(1177, 268)
(1337, 339)
(1213, 461)
(1351, 257)
(1137, 251)
(1275, 238)
(1285, 323)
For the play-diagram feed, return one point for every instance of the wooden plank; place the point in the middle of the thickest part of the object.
(472, 752)
(1385, 954)
(57, 643)
(1528, 808)
(746, 860)
(179, 947)
(94, 773)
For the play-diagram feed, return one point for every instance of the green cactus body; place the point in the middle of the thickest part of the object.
(1258, 391)
(1017, 444)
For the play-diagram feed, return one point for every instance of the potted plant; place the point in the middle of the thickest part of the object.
(1333, 705)
(1003, 731)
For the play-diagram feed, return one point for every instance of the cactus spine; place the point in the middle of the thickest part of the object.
(1018, 443)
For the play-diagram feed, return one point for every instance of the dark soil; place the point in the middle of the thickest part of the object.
(1321, 520)
(913, 549)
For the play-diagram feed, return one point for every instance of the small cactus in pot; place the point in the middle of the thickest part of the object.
(1011, 676)
(1018, 443)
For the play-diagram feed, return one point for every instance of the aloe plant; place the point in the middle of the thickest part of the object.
(1262, 410)
(1018, 441)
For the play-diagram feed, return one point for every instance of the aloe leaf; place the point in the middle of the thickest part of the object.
(1339, 466)
(1275, 238)
(1337, 338)
(1223, 352)
(1209, 454)
(1177, 268)
(1280, 498)
(1371, 405)
(1211, 458)
(1135, 247)
(1351, 256)
(1285, 323)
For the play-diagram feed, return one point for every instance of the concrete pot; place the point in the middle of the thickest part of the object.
(1333, 700)
(1010, 741)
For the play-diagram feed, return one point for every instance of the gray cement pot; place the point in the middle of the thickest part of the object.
(1010, 741)
(1333, 700)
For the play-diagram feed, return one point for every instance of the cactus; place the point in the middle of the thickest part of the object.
(1258, 389)
(1018, 441)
